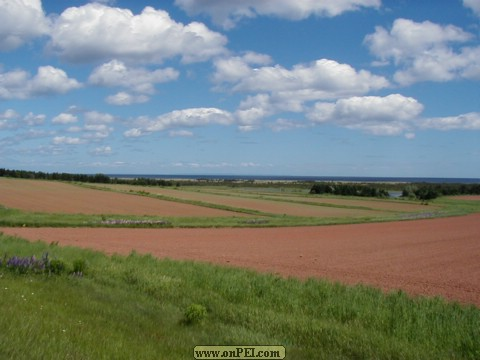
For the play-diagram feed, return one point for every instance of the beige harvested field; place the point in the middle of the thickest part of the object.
(58, 197)
(423, 257)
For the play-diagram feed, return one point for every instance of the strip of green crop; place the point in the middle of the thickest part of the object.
(18, 218)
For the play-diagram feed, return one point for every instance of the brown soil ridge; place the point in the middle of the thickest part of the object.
(432, 257)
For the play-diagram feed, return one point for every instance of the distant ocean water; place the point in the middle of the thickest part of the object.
(300, 178)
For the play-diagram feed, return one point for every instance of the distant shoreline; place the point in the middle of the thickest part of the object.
(279, 178)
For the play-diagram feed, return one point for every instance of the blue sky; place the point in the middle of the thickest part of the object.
(255, 87)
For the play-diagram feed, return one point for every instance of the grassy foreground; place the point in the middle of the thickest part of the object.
(135, 307)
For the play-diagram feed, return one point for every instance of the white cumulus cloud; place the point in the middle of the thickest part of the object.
(469, 121)
(227, 13)
(51, 80)
(252, 110)
(19, 84)
(390, 115)
(11, 120)
(138, 80)
(180, 133)
(124, 98)
(92, 127)
(97, 32)
(66, 140)
(95, 118)
(474, 5)
(425, 51)
(7, 119)
(96, 125)
(279, 89)
(321, 79)
(20, 22)
(191, 118)
(102, 151)
(133, 133)
(181, 118)
(65, 118)
(32, 119)
(116, 74)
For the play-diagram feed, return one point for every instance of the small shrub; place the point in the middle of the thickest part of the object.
(194, 313)
(79, 267)
(56, 267)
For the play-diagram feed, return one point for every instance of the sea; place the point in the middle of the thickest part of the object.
(366, 179)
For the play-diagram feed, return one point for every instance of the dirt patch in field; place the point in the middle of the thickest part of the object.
(427, 257)
(58, 197)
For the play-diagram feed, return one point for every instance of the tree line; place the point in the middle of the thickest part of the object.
(348, 189)
(420, 191)
(86, 178)
(425, 191)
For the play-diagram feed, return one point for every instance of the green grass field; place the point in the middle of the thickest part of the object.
(134, 308)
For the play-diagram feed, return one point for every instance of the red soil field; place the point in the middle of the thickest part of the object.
(423, 257)
(58, 197)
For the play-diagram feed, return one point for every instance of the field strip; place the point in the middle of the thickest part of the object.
(428, 257)
(257, 205)
(181, 200)
(329, 201)
(59, 197)
(391, 205)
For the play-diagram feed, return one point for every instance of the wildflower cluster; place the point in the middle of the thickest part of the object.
(43, 265)
(23, 265)
(256, 221)
(133, 222)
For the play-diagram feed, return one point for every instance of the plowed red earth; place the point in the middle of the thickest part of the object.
(423, 257)
(58, 197)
